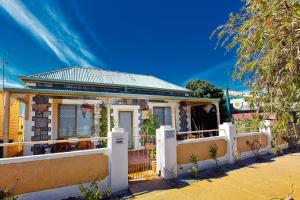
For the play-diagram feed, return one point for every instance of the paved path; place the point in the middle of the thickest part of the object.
(259, 181)
(146, 186)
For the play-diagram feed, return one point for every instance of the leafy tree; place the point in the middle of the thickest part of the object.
(266, 37)
(204, 89)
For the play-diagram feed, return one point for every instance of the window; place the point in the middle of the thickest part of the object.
(75, 123)
(163, 115)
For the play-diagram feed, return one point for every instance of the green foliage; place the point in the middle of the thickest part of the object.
(213, 152)
(150, 125)
(248, 125)
(5, 194)
(266, 35)
(112, 124)
(204, 89)
(237, 156)
(93, 192)
(194, 171)
(153, 154)
(104, 121)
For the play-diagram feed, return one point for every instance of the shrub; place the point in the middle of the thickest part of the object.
(6, 194)
(152, 154)
(150, 125)
(292, 141)
(93, 192)
(213, 151)
(194, 171)
(237, 157)
(236, 154)
(255, 146)
(103, 121)
(248, 125)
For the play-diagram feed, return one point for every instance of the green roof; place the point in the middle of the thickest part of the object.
(97, 76)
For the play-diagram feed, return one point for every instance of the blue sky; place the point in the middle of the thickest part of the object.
(164, 38)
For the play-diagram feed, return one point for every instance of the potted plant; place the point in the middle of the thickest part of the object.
(153, 160)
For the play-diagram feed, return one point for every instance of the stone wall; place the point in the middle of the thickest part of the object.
(183, 118)
(41, 120)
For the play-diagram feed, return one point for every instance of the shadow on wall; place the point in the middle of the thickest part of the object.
(203, 119)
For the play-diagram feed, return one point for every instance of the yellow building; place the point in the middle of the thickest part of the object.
(15, 125)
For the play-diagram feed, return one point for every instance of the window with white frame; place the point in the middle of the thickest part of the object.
(163, 115)
(75, 121)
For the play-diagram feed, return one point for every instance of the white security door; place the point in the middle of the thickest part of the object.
(125, 122)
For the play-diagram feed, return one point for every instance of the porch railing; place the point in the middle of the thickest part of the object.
(198, 134)
(19, 149)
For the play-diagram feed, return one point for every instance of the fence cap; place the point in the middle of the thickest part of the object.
(166, 127)
(227, 123)
(118, 130)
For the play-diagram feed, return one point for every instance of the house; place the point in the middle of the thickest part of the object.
(14, 128)
(86, 102)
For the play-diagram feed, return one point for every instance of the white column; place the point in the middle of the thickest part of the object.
(28, 127)
(266, 128)
(218, 113)
(166, 152)
(229, 131)
(118, 144)
(6, 121)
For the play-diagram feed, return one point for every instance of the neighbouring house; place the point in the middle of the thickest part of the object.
(14, 128)
(80, 102)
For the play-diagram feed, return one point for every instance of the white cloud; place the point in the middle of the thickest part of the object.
(53, 33)
(12, 84)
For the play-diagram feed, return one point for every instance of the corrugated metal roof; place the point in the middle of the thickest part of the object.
(99, 76)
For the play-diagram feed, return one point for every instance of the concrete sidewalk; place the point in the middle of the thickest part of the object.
(146, 186)
(259, 181)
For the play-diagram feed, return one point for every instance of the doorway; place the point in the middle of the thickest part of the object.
(126, 122)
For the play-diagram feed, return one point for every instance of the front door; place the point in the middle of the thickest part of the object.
(125, 122)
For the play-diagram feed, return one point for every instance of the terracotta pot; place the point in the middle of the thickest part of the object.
(153, 166)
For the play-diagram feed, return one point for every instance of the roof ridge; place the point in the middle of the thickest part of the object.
(168, 82)
(57, 70)
(90, 68)
(125, 72)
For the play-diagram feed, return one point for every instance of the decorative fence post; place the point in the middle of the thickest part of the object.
(267, 130)
(166, 150)
(229, 131)
(118, 144)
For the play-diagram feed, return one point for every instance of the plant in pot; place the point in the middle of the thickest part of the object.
(153, 160)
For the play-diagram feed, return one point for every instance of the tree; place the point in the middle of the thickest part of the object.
(204, 89)
(266, 37)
